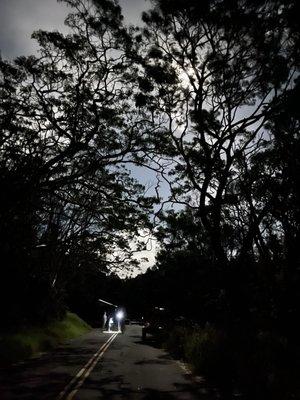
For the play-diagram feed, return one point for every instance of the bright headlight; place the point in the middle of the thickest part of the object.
(120, 315)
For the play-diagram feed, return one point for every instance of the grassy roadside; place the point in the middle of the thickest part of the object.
(261, 365)
(30, 341)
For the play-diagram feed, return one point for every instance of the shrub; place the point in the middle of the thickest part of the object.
(206, 350)
(266, 368)
(175, 342)
(32, 340)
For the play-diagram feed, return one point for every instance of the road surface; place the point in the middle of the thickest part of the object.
(102, 366)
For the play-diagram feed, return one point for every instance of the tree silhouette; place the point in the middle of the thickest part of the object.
(209, 78)
(68, 130)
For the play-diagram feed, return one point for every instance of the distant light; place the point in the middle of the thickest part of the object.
(120, 315)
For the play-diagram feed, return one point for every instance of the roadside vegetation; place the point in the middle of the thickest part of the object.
(253, 366)
(244, 354)
(28, 342)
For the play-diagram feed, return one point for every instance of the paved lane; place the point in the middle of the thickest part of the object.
(132, 369)
(124, 369)
(44, 377)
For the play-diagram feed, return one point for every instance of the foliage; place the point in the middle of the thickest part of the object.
(176, 341)
(30, 341)
(259, 367)
(218, 110)
(68, 131)
(206, 351)
(204, 95)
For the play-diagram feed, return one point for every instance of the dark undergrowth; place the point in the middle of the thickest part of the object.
(257, 366)
(29, 341)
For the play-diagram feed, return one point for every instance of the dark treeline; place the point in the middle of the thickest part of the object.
(68, 203)
(222, 79)
(205, 94)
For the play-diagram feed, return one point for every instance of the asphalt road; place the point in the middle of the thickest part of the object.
(102, 366)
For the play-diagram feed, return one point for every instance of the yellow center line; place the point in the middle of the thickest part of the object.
(80, 377)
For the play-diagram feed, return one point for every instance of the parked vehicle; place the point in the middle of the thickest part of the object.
(156, 322)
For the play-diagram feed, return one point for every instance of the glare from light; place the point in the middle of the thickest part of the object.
(120, 315)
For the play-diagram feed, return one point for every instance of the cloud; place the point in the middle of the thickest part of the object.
(19, 18)
(132, 10)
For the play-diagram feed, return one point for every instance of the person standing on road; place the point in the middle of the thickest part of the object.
(110, 323)
(104, 320)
